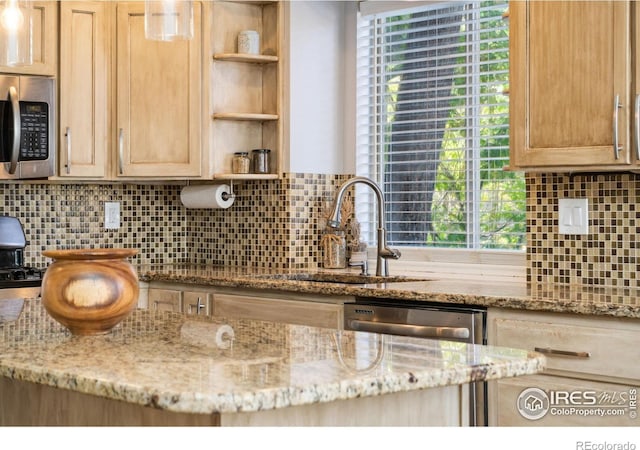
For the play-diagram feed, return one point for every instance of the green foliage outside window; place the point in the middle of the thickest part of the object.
(500, 194)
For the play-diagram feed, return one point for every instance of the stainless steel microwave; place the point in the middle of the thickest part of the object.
(27, 127)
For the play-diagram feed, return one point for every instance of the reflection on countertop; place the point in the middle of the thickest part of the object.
(617, 302)
(180, 363)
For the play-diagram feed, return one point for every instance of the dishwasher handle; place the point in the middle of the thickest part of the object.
(409, 330)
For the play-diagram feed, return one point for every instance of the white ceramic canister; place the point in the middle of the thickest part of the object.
(249, 42)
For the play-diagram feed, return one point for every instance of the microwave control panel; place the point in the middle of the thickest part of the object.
(34, 142)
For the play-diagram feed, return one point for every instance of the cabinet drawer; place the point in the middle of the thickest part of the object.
(592, 350)
(165, 300)
(611, 399)
(275, 310)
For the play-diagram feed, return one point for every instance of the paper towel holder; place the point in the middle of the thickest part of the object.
(229, 195)
(207, 196)
(225, 195)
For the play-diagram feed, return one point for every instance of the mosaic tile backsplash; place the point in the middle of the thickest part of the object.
(609, 256)
(273, 223)
(278, 223)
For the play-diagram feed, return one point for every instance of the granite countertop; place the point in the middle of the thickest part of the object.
(187, 364)
(507, 293)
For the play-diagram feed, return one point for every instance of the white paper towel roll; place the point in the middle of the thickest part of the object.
(207, 196)
(208, 334)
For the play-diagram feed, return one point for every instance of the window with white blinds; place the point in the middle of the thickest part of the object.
(433, 127)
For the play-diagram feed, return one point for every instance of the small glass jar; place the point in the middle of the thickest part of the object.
(260, 160)
(240, 162)
(334, 250)
(249, 42)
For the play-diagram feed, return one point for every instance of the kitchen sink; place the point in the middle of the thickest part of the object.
(342, 278)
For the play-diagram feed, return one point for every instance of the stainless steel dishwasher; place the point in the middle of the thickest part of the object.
(459, 323)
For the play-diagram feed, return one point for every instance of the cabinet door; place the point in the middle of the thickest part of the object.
(569, 61)
(635, 128)
(84, 50)
(165, 300)
(159, 99)
(44, 41)
(289, 311)
(613, 401)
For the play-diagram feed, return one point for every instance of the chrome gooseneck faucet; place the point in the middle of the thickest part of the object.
(384, 252)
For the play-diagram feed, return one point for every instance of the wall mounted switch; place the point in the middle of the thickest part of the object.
(112, 215)
(573, 216)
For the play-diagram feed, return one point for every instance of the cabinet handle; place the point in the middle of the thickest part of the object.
(199, 306)
(67, 136)
(409, 330)
(554, 352)
(17, 129)
(616, 137)
(121, 151)
(637, 126)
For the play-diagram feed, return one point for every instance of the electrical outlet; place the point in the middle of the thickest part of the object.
(112, 215)
(573, 216)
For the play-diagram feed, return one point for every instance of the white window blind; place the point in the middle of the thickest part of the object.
(433, 127)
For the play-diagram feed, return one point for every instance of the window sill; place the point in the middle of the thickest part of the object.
(456, 264)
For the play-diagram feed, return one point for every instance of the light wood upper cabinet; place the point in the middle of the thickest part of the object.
(84, 84)
(137, 109)
(130, 108)
(44, 41)
(159, 100)
(569, 61)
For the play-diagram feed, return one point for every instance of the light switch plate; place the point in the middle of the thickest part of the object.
(112, 215)
(573, 216)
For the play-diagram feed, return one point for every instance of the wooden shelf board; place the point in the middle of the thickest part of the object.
(246, 176)
(245, 116)
(244, 57)
(257, 2)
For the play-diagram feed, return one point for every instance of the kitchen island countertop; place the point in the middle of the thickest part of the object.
(173, 362)
(491, 292)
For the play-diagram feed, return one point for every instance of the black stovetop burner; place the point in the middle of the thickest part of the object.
(13, 273)
(20, 277)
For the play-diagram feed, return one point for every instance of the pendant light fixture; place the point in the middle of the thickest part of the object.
(15, 33)
(168, 20)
